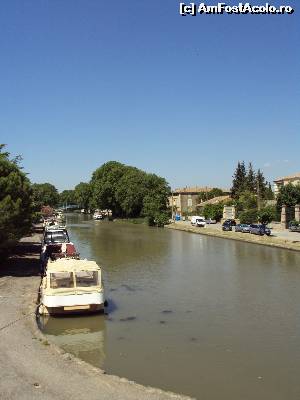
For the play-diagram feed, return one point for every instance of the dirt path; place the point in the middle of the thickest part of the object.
(31, 367)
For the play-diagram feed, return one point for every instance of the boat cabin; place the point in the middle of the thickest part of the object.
(71, 285)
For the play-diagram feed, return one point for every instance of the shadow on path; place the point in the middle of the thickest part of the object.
(24, 261)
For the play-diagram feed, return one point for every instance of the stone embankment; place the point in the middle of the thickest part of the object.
(272, 241)
(31, 367)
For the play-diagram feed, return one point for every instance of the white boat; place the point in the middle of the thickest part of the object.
(98, 216)
(71, 286)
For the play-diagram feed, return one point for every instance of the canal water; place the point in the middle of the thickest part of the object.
(202, 316)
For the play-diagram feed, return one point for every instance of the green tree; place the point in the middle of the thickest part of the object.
(288, 195)
(213, 211)
(251, 179)
(129, 192)
(214, 192)
(247, 200)
(248, 216)
(67, 197)
(82, 195)
(15, 202)
(267, 214)
(44, 194)
(104, 184)
(239, 183)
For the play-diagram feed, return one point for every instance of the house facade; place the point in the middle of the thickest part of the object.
(185, 200)
(279, 182)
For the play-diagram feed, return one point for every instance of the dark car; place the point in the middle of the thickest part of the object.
(226, 226)
(230, 221)
(293, 227)
(244, 228)
(259, 229)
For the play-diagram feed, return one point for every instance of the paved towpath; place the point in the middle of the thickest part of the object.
(279, 238)
(31, 367)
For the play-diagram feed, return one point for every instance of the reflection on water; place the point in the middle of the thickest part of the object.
(83, 337)
(197, 315)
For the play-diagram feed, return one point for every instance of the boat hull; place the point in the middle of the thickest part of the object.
(72, 304)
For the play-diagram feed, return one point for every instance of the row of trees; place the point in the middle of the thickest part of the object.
(16, 209)
(250, 193)
(128, 191)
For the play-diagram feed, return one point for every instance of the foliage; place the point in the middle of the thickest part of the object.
(15, 202)
(67, 197)
(239, 182)
(248, 216)
(82, 195)
(214, 192)
(267, 214)
(213, 211)
(288, 195)
(44, 194)
(247, 200)
(250, 183)
(294, 222)
(246, 180)
(129, 192)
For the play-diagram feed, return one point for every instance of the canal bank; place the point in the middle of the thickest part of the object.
(34, 368)
(272, 241)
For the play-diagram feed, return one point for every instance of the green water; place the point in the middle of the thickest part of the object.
(207, 317)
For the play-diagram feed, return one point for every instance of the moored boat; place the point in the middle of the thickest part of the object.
(71, 286)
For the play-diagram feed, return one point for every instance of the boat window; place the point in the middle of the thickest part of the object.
(86, 278)
(61, 280)
(56, 237)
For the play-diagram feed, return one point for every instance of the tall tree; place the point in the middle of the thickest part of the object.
(82, 195)
(45, 194)
(239, 183)
(15, 201)
(67, 197)
(129, 191)
(288, 195)
(251, 179)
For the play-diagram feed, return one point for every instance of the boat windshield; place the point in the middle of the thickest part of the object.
(86, 278)
(61, 280)
(56, 237)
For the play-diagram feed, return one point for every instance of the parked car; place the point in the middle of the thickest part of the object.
(210, 221)
(200, 222)
(244, 228)
(226, 226)
(293, 227)
(230, 221)
(259, 229)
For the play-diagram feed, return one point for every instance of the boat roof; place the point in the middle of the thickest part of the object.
(71, 264)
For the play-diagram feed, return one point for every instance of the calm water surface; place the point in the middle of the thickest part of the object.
(197, 315)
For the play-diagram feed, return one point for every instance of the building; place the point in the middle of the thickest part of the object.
(279, 182)
(186, 200)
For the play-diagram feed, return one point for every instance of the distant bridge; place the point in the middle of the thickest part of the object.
(67, 207)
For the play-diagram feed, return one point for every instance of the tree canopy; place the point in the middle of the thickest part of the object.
(129, 192)
(15, 201)
(247, 180)
(82, 195)
(67, 197)
(45, 194)
(288, 195)
(214, 192)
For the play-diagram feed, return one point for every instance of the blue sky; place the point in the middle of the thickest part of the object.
(83, 82)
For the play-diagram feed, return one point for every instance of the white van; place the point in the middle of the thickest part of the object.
(198, 221)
